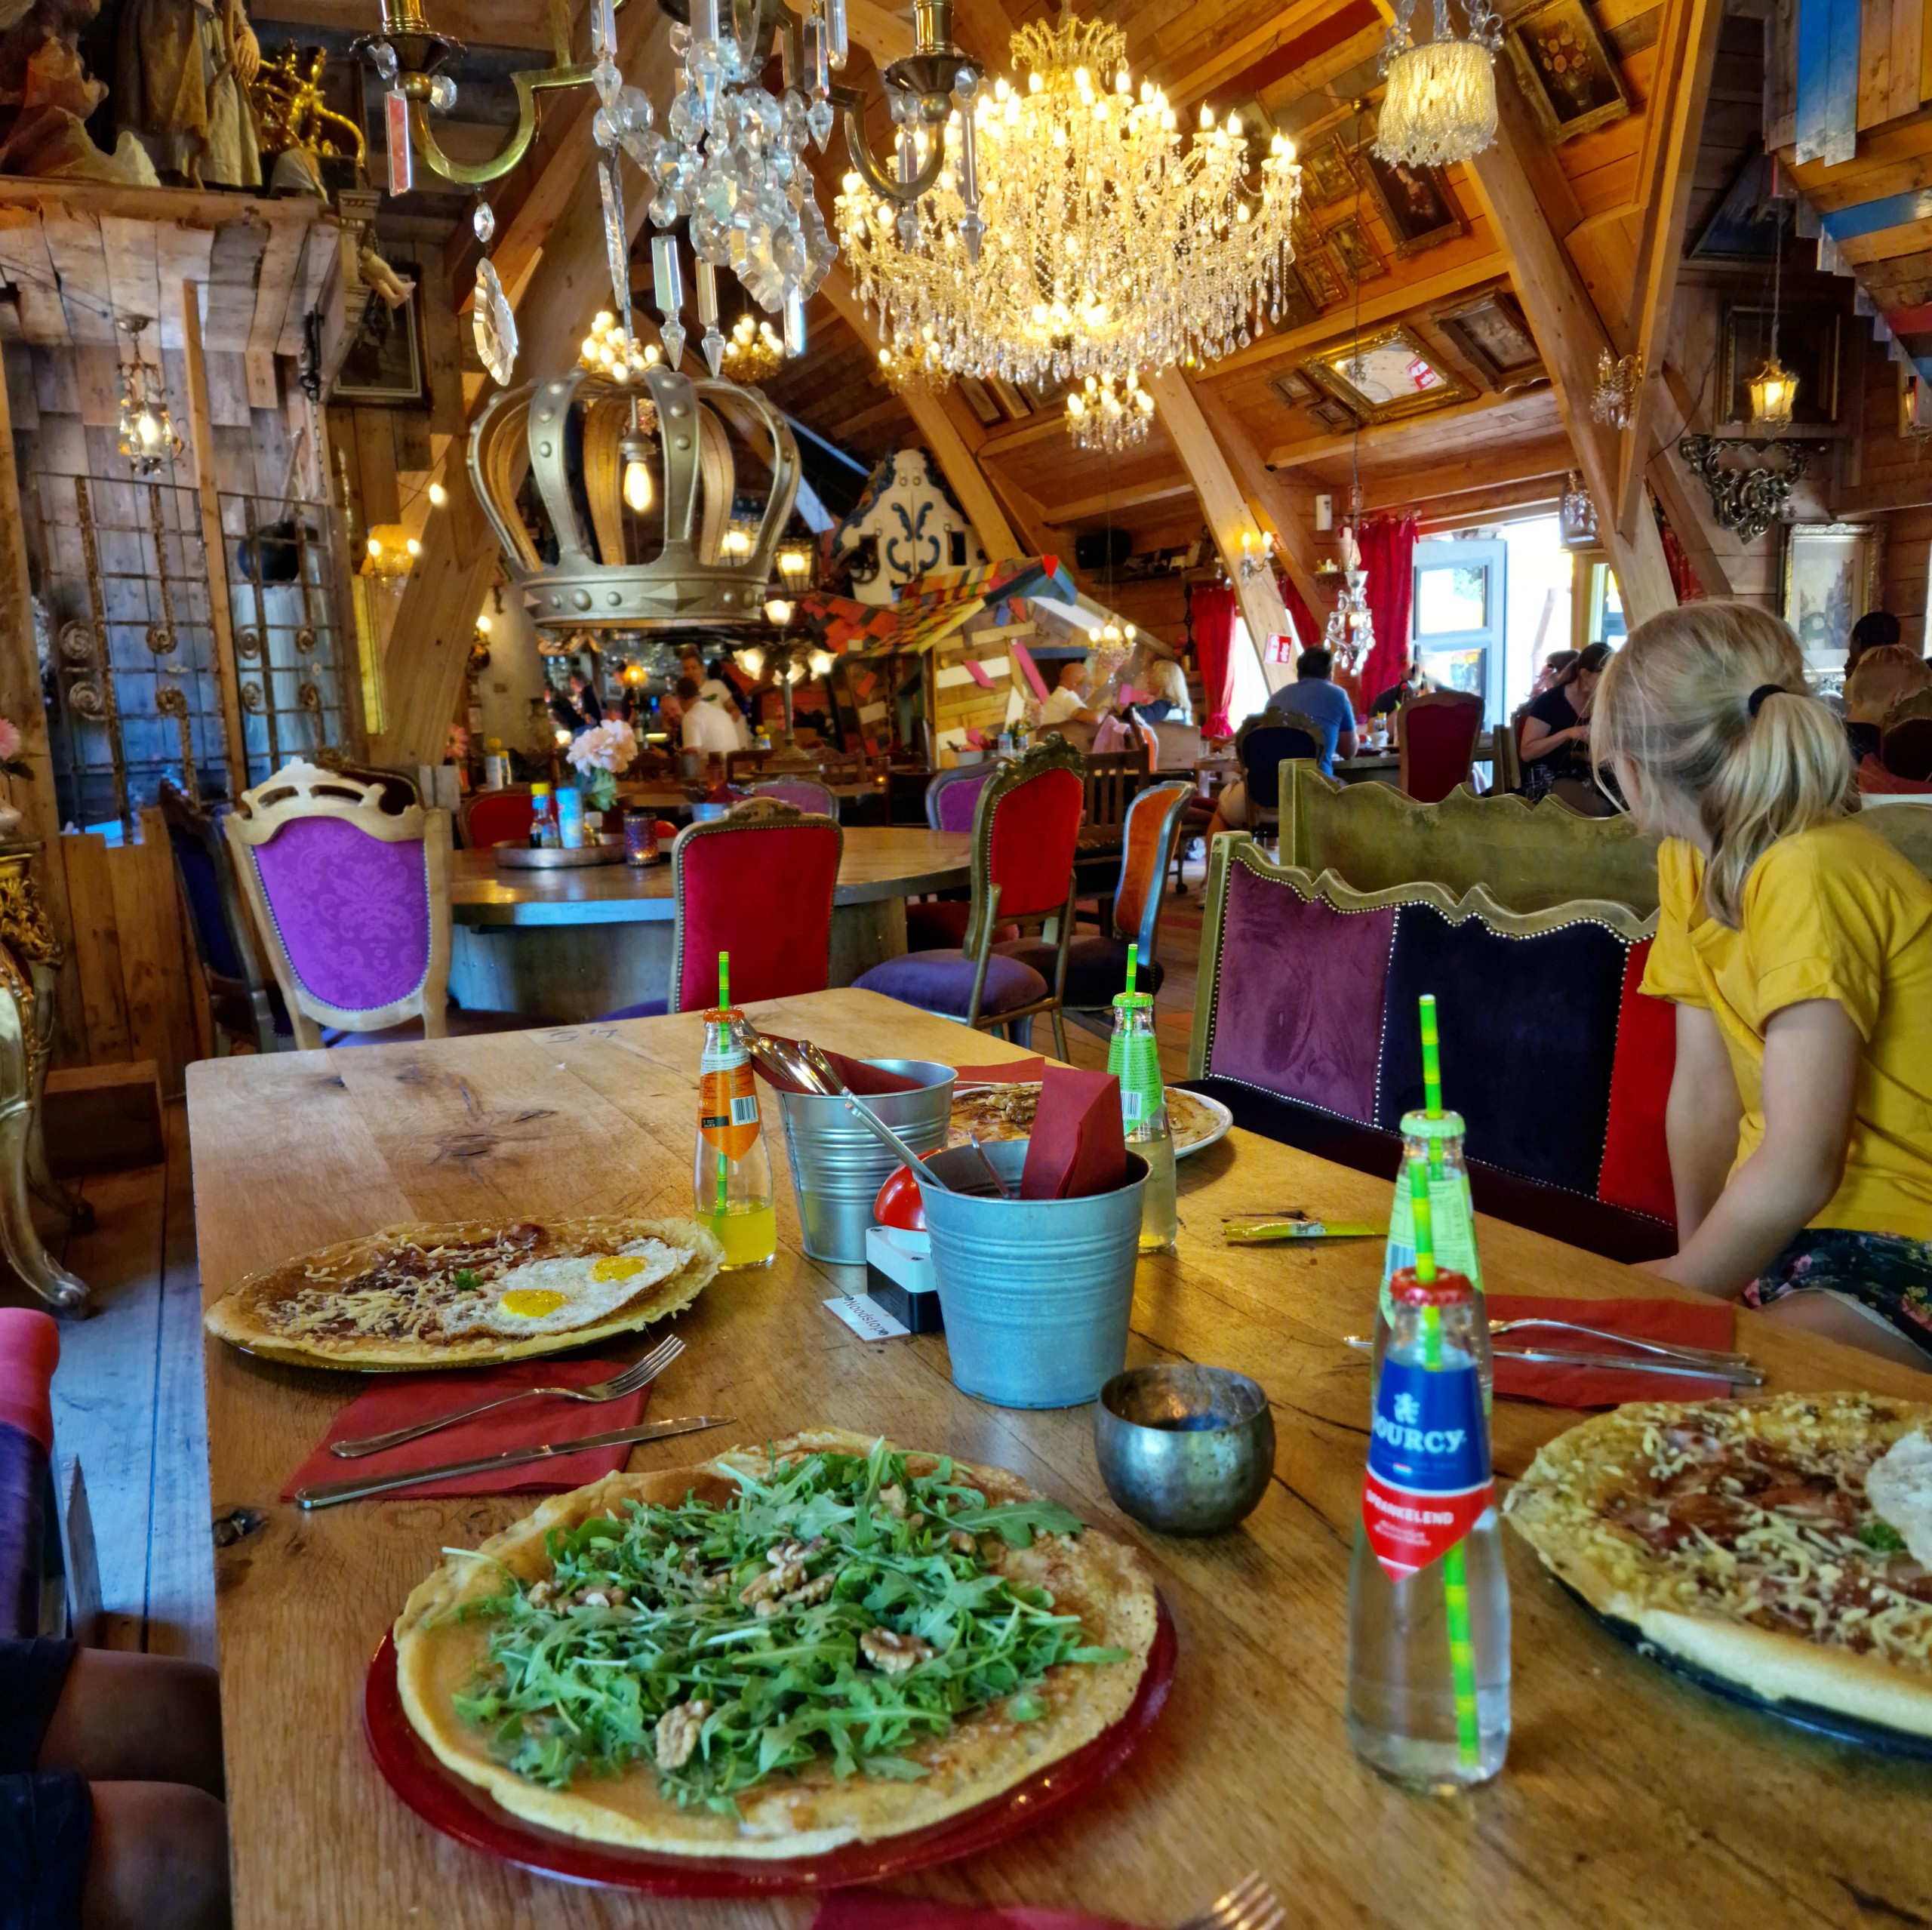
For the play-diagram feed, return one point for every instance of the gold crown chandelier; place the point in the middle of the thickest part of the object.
(1113, 247)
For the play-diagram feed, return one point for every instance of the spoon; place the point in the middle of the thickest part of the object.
(999, 1185)
(787, 1062)
(879, 1129)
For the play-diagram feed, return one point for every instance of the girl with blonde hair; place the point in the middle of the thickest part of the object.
(1796, 944)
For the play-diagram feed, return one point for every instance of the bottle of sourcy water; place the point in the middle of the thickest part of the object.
(1428, 1601)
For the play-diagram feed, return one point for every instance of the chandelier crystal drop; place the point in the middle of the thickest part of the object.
(1440, 104)
(1106, 244)
(1109, 415)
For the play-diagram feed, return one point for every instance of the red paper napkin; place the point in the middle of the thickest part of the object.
(29, 1351)
(1705, 1323)
(859, 1910)
(396, 1401)
(1077, 1149)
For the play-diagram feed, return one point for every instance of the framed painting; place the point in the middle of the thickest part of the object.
(1333, 416)
(1327, 173)
(1386, 375)
(1571, 78)
(1808, 347)
(1915, 404)
(383, 365)
(1829, 579)
(1294, 389)
(1355, 251)
(1491, 334)
(1317, 276)
(1011, 399)
(1414, 203)
(981, 403)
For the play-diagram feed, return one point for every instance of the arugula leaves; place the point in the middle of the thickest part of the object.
(644, 1614)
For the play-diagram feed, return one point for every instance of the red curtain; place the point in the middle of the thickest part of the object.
(1388, 554)
(1213, 610)
(1683, 577)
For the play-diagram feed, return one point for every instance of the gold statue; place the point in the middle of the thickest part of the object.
(288, 107)
(182, 71)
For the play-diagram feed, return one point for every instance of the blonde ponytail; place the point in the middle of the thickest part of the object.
(1708, 707)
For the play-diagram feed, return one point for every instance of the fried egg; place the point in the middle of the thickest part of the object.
(558, 1296)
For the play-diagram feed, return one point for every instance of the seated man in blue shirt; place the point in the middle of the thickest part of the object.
(1313, 702)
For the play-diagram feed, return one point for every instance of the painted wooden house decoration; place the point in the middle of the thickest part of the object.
(906, 525)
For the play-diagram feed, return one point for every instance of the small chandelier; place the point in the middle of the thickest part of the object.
(1618, 378)
(753, 351)
(1349, 635)
(609, 351)
(1577, 515)
(1440, 105)
(1104, 243)
(148, 438)
(1108, 415)
(1257, 559)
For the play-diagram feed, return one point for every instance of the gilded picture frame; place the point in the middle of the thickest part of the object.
(1493, 336)
(1354, 253)
(1829, 576)
(1372, 375)
(1415, 204)
(1327, 174)
(1573, 81)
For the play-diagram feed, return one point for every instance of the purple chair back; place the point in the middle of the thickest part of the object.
(953, 796)
(352, 912)
(801, 793)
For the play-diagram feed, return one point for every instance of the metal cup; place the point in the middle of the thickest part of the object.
(1187, 1449)
(1036, 1293)
(837, 1166)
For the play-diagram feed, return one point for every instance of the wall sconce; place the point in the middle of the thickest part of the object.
(1577, 515)
(1256, 558)
(1619, 377)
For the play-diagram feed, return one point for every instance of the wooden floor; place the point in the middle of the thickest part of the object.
(127, 1395)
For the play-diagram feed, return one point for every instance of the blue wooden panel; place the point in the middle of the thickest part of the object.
(1869, 218)
(1814, 44)
(1842, 83)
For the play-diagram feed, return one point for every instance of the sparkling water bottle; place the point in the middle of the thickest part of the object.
(1428, 1601)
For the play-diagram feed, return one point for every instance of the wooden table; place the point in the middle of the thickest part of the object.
(1629, 1800)
(569, 944)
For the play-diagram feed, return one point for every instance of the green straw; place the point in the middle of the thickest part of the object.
(1431, 1079)
(1455, 1571)
(724, 1005)
(1133, 965)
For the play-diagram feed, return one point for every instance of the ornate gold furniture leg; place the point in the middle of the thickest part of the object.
(29, 954)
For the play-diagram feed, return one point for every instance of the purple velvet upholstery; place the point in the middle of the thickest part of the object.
(805, 793)
(1299, 1006)
(1096, 969)
(956, 799)
(942, 982)
(352, 912)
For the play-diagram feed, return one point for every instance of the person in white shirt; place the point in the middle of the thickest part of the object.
(1067, 702)
(713, 690)
(707, 727)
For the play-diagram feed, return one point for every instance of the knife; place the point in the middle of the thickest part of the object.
(330, 1492)
(1738, 1374)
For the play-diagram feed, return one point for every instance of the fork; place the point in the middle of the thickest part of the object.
(641, 1374)
(1673, 1349)
(1250, 1905)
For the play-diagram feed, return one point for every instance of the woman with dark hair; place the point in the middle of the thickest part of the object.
(1555, 740)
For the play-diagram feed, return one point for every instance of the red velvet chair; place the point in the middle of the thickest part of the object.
(1026, 832)
(495, 817)
(758, 884)
(1435, 738)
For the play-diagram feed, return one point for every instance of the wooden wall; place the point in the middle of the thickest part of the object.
(1907, 554)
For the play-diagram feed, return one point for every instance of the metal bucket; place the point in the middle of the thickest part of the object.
(1036, 1293)
(838, 1167)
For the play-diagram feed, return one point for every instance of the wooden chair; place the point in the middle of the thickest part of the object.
(1264, 748)
(1435, 743)
(1110, 780)
(352, 904)
(1025, 836)
(1506, 757)
(740, 764)
(1096, 962)
(952, 797)
(801, 793)
(244, 1003)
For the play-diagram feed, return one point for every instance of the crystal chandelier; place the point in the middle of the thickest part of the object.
(1112, 246)
(1440, 105)
(753, 351)
(1616, 393)
(1577, 515)
(148, 437)
(1108, 415)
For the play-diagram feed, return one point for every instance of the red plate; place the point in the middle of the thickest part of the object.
(462, 1810)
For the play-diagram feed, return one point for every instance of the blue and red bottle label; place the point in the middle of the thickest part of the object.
(1428, 1477)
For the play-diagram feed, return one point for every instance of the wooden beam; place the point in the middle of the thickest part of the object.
(1687, 59)
(1418, 428)
(1280, 504)
(1158, 489)
(1226, 510)
(942, 436)
(1569, 335)
(1686, 503)
(214, 545)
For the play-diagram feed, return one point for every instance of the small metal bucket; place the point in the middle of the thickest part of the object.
(1036, 1293)
(838, 1167)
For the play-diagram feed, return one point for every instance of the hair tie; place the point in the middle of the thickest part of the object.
(1764, 691)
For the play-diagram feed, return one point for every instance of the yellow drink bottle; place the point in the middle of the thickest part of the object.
(731, 1179)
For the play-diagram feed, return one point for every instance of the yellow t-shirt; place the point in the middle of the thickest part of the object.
(1833, 912)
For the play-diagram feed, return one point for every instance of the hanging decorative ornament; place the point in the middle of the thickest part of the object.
(492, 320)
(148, 438)
(753, 350)
(1616, 394)
(729, 166)
(1440, 105)
(1774, 389)
(1577, 515)
(1349, 635)
(1109, 415)
(1103, 244)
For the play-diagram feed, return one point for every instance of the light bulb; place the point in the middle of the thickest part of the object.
(777, 611)
(438, 495)
(637, 485)
(821, 662)
(753, 660)
(375, 547)
(414, 548)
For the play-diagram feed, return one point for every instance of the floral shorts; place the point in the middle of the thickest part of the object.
(1886, 1273)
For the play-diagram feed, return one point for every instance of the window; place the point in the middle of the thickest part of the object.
(1452, 600)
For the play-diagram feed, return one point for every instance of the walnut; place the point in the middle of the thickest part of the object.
(773, 1581)
(539, 1594)
(814, 1591)
(894, 1653)
(678, 1731)
(893, 1500)
(794, 1551)
(964, 1542)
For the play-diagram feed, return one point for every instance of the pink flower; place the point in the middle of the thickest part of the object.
(10, 740)
(611, 747)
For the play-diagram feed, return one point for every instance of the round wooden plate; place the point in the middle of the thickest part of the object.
(554, 857)
(460, 1809)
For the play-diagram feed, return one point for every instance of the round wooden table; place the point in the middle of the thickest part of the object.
(571, 944)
